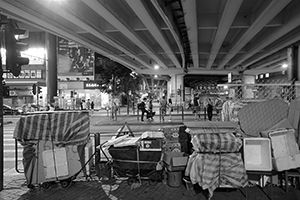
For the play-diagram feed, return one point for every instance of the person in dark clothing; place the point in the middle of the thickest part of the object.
(209, 109)
(196, 109)
(92, 105)
(143, 109)
(150, 113)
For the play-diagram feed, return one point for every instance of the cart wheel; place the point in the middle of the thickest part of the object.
(46, 185)
(131, 181)
(152, 182)
(65, 183)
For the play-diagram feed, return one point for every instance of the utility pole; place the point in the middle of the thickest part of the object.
(1, 125)
(1, 112)
(13, 64)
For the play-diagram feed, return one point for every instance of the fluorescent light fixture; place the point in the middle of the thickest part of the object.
(261, 76)
(267, 75)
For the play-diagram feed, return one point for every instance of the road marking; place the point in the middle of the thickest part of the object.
(12, 159)
(6, 140)
(12, 150)
(10, 145)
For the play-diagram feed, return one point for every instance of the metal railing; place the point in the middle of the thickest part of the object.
(17, 161)
(169, 110)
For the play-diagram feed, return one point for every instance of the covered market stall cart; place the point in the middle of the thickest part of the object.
(53, 146)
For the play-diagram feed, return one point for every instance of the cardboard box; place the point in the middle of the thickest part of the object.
(286, 163)
(171, 133)
(285, 150)
(151, 145)
(173, 147)
(284, 143)
(294, 113)
(257, 154)
(175, 161)
(294, 117)
(55, 163)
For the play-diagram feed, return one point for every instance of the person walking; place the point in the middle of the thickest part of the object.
(170, 109)
(209, 109)
(88, 104)
(196, 109)
(83, 105)
(218, 106)
(150, 113)
(92, 105)
(163, 108)
(142, 107)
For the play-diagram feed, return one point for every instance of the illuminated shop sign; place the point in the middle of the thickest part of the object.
(90, 85)
(36, 55)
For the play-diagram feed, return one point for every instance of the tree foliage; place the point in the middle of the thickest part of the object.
(116, 79)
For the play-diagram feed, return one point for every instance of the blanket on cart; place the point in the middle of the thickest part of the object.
(60, 127)
(216, 162)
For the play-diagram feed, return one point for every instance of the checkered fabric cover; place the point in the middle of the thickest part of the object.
(257, 117)
(216, 142)
(59, 127)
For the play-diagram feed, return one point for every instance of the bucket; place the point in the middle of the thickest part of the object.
(174, 179)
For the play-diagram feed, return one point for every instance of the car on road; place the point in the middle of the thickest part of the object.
(8, 110)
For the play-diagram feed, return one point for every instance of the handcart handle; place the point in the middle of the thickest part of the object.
(101, 149)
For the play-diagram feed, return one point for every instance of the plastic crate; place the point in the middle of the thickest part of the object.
(257, 154)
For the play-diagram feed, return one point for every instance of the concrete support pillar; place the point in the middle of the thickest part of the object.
(51, 66)
(247, 92)
(293, 70)
(293, 56)
(176, 89)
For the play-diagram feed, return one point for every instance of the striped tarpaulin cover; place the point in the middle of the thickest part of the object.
(216, 161)
(61, 127)
(216, 170)
(216, 142)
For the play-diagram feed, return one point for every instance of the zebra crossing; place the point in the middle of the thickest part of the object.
(9, 149)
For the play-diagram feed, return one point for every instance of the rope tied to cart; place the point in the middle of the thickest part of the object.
(138, 161)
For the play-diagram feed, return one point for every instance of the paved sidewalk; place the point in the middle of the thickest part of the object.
(116, 189)
(119, 189)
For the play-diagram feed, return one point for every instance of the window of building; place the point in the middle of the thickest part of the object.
(38, 73)
(26, 73)
(33, 73)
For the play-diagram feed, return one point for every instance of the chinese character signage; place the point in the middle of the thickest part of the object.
(90, 85)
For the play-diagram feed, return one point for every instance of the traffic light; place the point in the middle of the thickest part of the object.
(39, 90)
(34, 89)
(13, 47)
(5, 90)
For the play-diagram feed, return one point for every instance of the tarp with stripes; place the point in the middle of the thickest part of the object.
(216, 162)
(61, 127)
